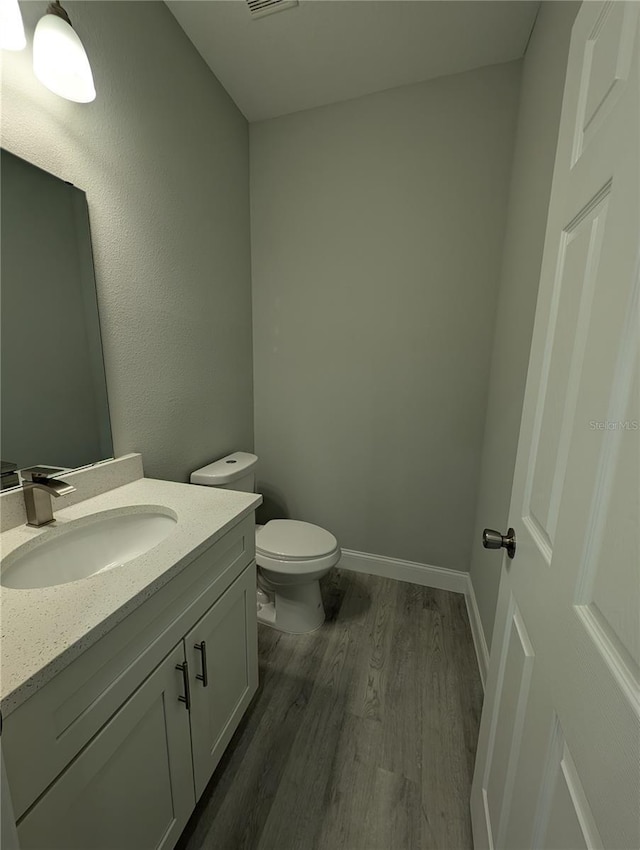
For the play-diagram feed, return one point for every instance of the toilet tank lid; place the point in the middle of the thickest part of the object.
(225, 470)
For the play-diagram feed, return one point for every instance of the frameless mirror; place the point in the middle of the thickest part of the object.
(54, 410)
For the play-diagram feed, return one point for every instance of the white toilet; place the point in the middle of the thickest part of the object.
(291, 556)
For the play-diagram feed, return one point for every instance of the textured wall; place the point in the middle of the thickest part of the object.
(539, 116)
(162, 154)
(377, 229)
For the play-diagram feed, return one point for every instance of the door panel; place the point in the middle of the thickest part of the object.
(606, 62)
(564, 818)
(564, 349)
(517, 659)
(607, 588)
(132, 787)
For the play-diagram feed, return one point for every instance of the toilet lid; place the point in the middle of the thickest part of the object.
(290, 539)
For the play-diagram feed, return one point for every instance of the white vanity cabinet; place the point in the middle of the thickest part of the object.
(116, 749)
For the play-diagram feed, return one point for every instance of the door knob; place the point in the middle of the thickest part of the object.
(494, 540)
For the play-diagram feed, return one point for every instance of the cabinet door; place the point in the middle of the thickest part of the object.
(131, 788)
(230, 663)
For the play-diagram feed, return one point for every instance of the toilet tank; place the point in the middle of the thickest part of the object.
(233, 472)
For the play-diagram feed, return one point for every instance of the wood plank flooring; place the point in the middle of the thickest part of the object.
(362, 735)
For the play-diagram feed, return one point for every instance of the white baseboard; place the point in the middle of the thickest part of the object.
(424, 574)
(427, 576)
(479, 640)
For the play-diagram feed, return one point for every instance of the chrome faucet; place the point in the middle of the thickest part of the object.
(38, 488)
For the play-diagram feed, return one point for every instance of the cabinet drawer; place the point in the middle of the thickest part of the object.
(44, 734)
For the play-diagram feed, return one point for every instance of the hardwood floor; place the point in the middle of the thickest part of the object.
(362, 735)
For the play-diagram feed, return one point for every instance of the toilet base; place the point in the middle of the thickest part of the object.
(296, 608)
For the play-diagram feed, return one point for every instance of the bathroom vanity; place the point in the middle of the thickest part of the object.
(129, 650)
(121, 690)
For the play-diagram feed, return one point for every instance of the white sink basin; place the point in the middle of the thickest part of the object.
(87, 546)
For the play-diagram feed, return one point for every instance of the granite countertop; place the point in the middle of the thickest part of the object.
(45, 629)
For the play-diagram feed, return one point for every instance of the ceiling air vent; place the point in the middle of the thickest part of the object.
(261, 8)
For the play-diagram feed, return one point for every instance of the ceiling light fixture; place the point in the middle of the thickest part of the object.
(11, 26)
(60, 61)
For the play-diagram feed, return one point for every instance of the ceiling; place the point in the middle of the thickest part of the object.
(324, 51)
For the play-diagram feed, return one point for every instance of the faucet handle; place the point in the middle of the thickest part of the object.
(40, 473)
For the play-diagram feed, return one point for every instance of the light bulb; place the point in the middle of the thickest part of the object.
(59, 59)
(11, 26)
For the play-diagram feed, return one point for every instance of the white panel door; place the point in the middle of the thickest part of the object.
(558, 762)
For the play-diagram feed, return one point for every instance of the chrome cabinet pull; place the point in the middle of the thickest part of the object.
(186, 699)
(204, 676)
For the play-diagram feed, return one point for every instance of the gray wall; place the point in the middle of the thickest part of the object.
(377, 230)
(162, 154)
(538, 120)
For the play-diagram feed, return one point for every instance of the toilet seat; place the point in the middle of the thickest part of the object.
(293, 547)
(290, 539)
